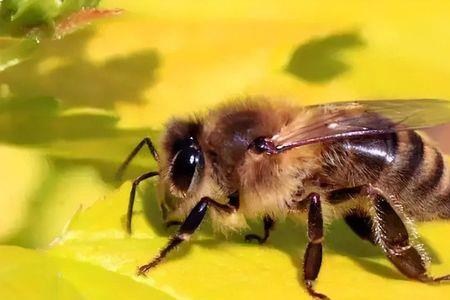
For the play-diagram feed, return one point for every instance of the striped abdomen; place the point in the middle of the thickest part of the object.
(400, 164)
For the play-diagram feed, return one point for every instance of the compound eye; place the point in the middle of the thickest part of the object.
(184, 165)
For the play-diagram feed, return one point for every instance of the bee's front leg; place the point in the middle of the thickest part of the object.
(132, 197)
(146, 141)
(190, 224)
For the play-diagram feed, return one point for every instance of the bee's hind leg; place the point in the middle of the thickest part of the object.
(268, 226)
(361, 224)
(394, 239)
(358, 220)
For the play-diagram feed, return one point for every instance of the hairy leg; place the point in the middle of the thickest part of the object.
(393, 236)
(361, 224)
(359, 221)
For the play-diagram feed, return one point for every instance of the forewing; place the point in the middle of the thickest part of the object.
(411, 114)
(343, 120)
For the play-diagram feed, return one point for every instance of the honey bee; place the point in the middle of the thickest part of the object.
(259, 159)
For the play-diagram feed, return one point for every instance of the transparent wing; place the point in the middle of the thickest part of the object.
(343, 120)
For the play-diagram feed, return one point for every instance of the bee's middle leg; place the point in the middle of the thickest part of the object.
(268, 226)
(234, 201)
(312, 260)
(313, 254)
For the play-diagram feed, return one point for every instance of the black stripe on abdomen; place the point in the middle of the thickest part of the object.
(415, 157)
(443, 206)
(409, 160)
(427, 185)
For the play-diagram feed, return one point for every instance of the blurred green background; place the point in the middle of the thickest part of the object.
(72, 108)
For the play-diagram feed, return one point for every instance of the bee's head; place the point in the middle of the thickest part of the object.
(184, 161)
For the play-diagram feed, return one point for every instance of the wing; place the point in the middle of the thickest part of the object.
(344, 120)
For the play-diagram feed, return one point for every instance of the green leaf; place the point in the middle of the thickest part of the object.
(31, 20)
(18, 17)
(40, 196)
(70, 6)
(29, 274)
(83, 147)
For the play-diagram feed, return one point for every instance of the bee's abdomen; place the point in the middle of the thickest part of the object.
(401, 164)
(417, 175)
(429, 192)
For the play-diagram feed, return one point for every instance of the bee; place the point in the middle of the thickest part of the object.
(361, 161)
